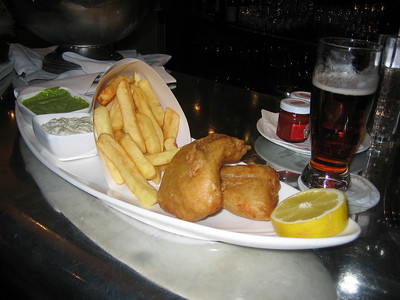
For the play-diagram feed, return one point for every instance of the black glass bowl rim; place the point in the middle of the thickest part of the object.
(351, 44)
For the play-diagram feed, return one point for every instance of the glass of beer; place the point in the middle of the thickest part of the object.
(345, 80)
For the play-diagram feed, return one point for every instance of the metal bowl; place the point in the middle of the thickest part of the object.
(87, 27)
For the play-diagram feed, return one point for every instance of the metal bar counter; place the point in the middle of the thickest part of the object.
(58, 242)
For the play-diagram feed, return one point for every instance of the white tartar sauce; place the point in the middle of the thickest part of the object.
(68, 126)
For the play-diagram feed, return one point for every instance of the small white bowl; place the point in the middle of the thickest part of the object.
(65, 147)
(28, 114)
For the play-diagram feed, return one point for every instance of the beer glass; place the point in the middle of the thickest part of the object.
(345, 79)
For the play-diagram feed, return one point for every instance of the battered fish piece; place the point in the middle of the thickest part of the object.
(250, 191)
(191, 187)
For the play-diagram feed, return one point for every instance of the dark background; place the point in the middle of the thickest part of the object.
(270, 45)
(266, 45)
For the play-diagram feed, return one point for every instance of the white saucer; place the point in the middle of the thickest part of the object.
(282, 158)
(361, 195)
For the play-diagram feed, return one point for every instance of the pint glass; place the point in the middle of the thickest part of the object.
(345, 79)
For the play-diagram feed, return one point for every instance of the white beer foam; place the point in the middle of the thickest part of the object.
(349, 85)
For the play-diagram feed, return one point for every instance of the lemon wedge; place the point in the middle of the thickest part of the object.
(313, 213)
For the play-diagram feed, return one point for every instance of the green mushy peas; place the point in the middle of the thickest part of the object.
(54, 100)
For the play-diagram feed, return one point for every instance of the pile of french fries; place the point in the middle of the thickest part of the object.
(136, 136)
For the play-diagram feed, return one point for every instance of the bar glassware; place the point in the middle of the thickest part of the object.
(345, 80)
(391, 198)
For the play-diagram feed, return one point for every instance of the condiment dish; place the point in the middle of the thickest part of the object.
(65, 147)
(28, 114)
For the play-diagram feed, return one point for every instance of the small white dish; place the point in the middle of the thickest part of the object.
(64, 147)
(28, 114)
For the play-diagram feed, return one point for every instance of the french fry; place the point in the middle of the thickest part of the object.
(102, 121)
(142, 163)
(136, 183)
(142, 106)
(113, 171)
(170, 144)
(162, 158)
(157, 179)
(135, 135)
(149, 134)
(110, 104)
(116, 116)
(102, 124)
(136, 78)
(110, 90)
(162, 168)
(119, 134)
(154, 103)
(127, 107)
(170, 127)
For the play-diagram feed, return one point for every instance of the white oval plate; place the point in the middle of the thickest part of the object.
(88, 175)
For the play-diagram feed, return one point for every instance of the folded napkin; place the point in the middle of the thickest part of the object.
(82, 84)
(6, 76)
(269, 125)
(88, 65)
(28, 64)
(5, 70)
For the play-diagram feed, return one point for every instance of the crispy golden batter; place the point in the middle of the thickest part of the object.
(190, 188)
(250, 191)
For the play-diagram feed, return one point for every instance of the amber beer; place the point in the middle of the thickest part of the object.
(345, 79)
(338, 119)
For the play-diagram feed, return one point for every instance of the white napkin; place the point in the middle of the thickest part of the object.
(24, 59)
(269, 125)
(82, 84)
(88, 65)
(6, 76)
(28, 64)
(5, 69)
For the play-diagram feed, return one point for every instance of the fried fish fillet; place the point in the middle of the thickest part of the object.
(250, 191)
(191, 188)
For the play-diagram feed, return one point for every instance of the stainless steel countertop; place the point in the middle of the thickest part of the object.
(59, 242)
